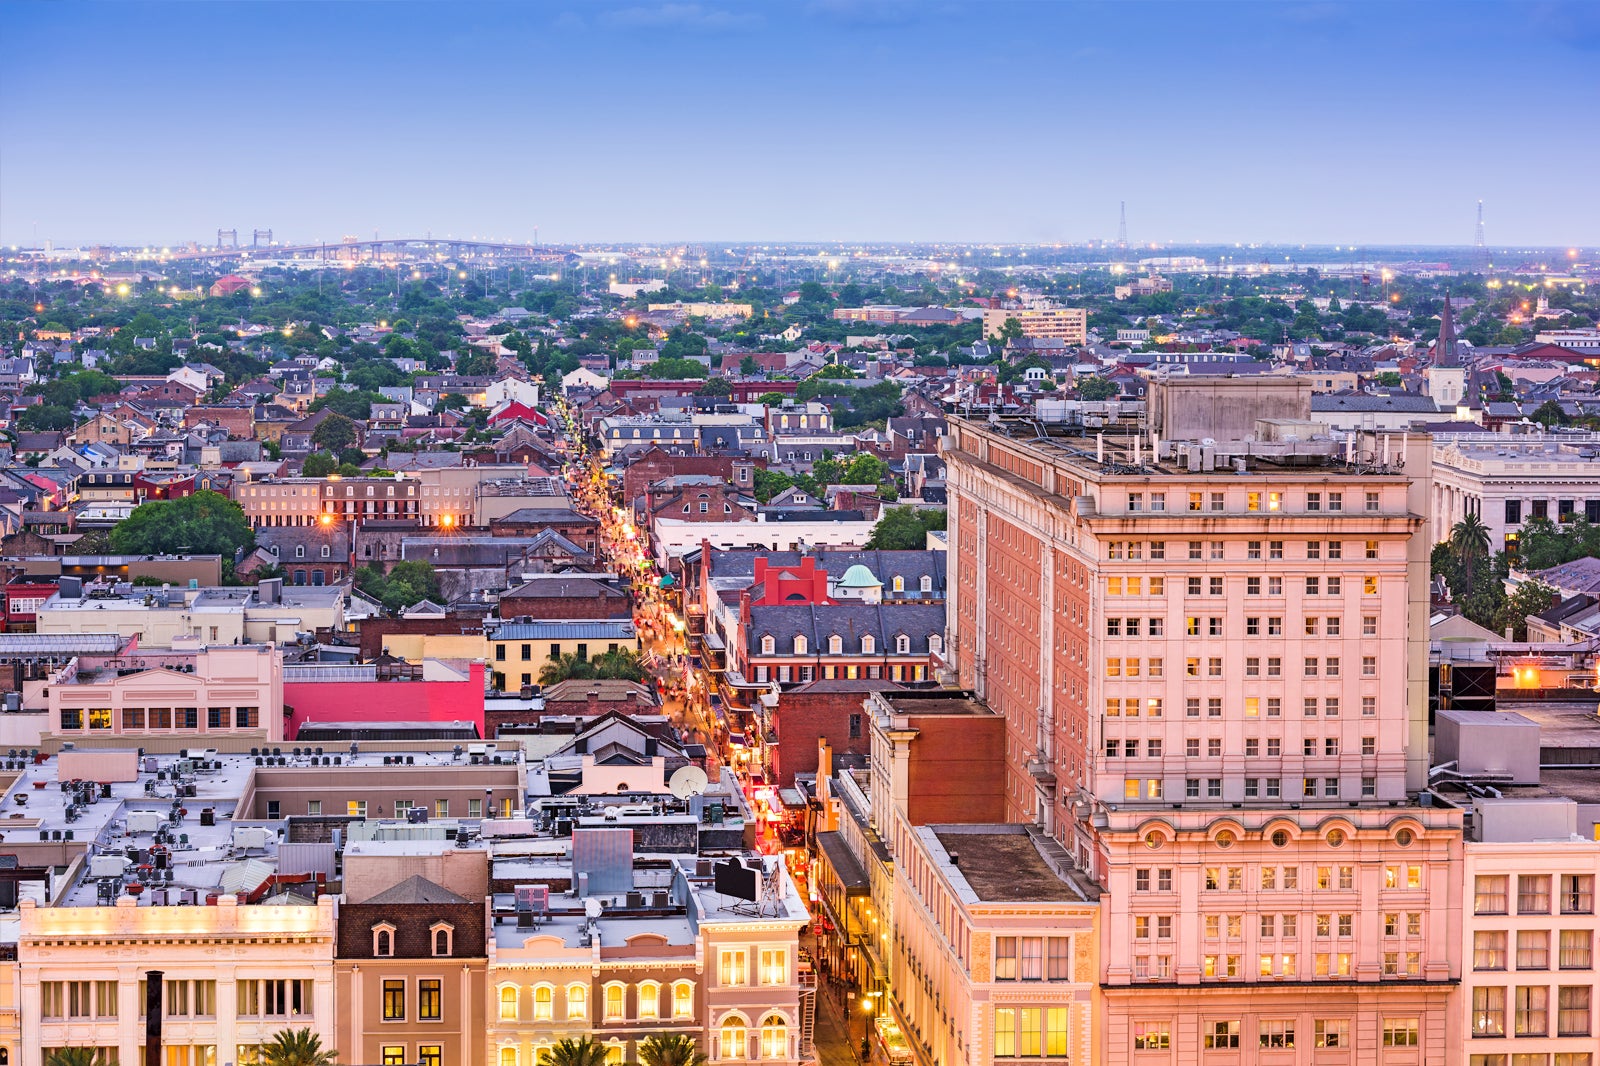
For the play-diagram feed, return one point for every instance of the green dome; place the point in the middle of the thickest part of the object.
(859, 577)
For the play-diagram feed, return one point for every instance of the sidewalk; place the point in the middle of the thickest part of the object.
(833, 1044)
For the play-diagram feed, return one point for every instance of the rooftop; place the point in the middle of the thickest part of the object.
(1004, 864)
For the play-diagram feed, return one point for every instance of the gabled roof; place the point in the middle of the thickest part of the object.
(413, 890)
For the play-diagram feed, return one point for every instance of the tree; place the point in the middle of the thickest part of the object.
(75, 1056)
(623, 664)
(475, 364)
(670, 1049)
(45, 417)
(1550, 414)
(296, 1047)
(1098, 389)
(675, 369)
(715, 387)
(567, 1051)
(567, 666)
(318, 464)
(405, 584)
(207, 523)
(771, 399)
(1010, 329)
(768, 483)
(1528, 598)
(905, 529)
(335, 433)
(1469, 547)
(749, 367)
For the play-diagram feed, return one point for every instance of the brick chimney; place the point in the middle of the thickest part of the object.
(593, 707)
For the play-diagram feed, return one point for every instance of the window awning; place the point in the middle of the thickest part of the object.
(845, 867)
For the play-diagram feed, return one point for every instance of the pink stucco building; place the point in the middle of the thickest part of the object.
(439, 694)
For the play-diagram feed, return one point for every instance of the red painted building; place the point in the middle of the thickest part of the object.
(354, 694)
(23, 597)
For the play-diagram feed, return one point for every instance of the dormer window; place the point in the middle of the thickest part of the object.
(299, 551)
(902, 645)
(899, 583)
(444, 935)
(768, 645)
(868, 645)
(927, 583)
(835, 645)
(383, 941)
(935, 644)
(799, 645)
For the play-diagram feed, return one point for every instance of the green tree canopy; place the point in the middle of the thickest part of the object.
(296, 1047)
(905, 528)
(670, 1049)
(675, 369)
(318, 464)
(568, 1051)
(207, 523)
(405, 584)
(1097, 389)
(335, 433)
(715, 387)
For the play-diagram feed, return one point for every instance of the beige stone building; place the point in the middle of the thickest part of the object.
(1069, 324)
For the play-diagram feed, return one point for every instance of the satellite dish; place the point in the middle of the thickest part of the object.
(592, 908)
(613, 813)
(687, 781)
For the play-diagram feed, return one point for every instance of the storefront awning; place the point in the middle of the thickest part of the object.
(845, 867)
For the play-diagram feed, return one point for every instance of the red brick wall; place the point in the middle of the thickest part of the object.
(1012, 569)
(1072, 711)
(952, 770)
(566, 607)
(805, 717)
(373, 631)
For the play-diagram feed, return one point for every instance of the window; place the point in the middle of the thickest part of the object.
(649, 1000)
(383, 941)
(616, 1001)
(1533, 949)
(1533, 894)
(1152, 1036)
(683, 1000)
(734, 1041)
(1572, 1010)
(430, 1000)
(394, 1001)
(1400, 1032)
(774, 1037)
(1489, 950)
(577, 1002)
(774, 968)
(430, 1055)
(1577, 893)
(508, 1003)
(1490, 893)
(544, 1002)
(1221, 1035)
(733, 970)
(1488, 1011)
(443, 935)
(1575, 949)
(1532, 1010)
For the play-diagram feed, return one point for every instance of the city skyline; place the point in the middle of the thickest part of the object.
(1273, 124)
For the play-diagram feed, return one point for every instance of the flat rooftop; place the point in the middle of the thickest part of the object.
(1002, 865)
(1562, 723)
(935, 702)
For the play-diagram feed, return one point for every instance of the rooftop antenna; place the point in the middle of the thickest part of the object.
(1122, 225)
(1478, 241)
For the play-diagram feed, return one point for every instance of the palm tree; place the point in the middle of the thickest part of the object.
(670, 1049)
(1469, 545)
(569, 1052)
(568, 666)
(623, 663)
(296, 1047)
(74, 1056)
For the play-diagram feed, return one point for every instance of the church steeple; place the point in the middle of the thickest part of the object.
(1444, 350)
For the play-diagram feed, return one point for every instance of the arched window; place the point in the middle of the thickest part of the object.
(835, 644)
(649, 1000)
(683, 999)
(544, 1001)
(735, 1043)
(577, 1002)
(327, 551)
(299, 551)
(443, 938)
(868, 645)
(935, 644)
(508, 1056)
(899, 583)
(768, 645)
(926, 584)
(902, 645)
(774, 1037)
(799, 645)
(383, 941)
(616, 1001)
(508, 1003)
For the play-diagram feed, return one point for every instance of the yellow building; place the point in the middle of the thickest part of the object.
(1069, 324)
(521, 649)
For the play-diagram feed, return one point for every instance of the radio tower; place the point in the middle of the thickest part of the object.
(1122, 226)
(1478, 241)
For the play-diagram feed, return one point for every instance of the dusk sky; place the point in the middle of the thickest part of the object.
(1337, 123)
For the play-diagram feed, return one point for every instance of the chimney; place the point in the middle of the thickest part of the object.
(824, 759)
(593, 708)
(152, 1015)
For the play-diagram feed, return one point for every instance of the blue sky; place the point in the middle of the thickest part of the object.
(1366, 122)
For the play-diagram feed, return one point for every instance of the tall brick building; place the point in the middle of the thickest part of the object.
(1208, 640)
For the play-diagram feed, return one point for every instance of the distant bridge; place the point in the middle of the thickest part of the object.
(335, 252)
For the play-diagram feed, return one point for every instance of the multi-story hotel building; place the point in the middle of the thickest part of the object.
(1069, 324)
(1209, 646)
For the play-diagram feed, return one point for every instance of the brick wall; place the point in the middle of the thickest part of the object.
(412, 939)
(804, 717)
(605, 605)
